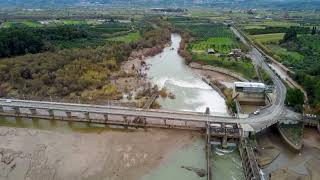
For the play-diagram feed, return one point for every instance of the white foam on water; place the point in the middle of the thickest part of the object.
(262, 174)
(161, 82)
(189, 84)
(212, 100)
(219, 153)
(225, 151)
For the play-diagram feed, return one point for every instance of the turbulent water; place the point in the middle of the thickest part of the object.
(169, 70)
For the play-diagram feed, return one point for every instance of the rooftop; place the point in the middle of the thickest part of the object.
(249, 84)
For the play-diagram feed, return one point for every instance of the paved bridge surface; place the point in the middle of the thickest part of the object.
(123, 111)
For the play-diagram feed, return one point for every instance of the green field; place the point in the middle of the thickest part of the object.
(273, 23)
(284, 53)
(73, 22)
(244, 68)
(206, 35)
(269, 38)
(254, 27)
(27, 23)
(131, 37)
(219, 44)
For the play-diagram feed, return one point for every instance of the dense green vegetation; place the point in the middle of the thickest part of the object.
(19, 40)
(271, 30)
(307, 68)
(244, 67)
(295, 99)
(265, 76)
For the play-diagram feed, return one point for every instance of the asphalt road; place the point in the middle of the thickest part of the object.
(273, 113)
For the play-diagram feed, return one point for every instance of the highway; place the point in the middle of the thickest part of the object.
(277, 109)
(267, 116)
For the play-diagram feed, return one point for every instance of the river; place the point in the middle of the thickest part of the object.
(168, 70)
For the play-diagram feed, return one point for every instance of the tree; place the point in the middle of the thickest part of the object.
(314, 30)
(290, 35)
(295, 99)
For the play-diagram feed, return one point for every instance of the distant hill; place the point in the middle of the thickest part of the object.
(286, 4)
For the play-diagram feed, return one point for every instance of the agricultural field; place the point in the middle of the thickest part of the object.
(28, 23)
(243, 67)
(219, 44)
(284, 55)
(130, 37)
(211, 36)
(269, 38)
(275, 23)
(208, 35)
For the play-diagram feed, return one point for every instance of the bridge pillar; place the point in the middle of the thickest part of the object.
(51, 113)
(87, 115)
(33, 111)
(16, 110)
(69, 115)
(1, 109)
(106, 118)
(125, 119)
(225, 142)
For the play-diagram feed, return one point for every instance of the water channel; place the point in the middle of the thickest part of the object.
(168, 69)
(192, 94)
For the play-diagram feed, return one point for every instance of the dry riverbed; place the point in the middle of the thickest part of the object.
(285, 164)
(29, 154)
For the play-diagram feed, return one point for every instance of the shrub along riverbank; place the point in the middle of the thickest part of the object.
(70, 73)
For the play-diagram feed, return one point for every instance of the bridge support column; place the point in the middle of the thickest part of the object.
(33, 111)
(106, 118)
(16, 110)
(69, 115)
(51, 113)
(1, 109)
(225, 142)
(87, 116)
(125, 119)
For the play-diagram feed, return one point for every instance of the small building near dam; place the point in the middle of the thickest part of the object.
(250, 93)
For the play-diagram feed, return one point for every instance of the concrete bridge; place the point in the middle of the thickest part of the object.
(106, 114)
(119, 115)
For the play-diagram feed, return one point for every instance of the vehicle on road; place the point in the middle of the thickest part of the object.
(256, 112)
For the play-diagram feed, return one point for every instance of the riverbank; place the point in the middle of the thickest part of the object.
(289, 164)
(34, 154)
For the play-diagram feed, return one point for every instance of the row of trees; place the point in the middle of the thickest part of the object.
(268, 30)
